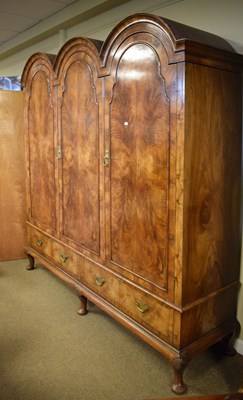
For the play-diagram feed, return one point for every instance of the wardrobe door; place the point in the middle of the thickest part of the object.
(139, 177)
(79, 128)
(41, 138)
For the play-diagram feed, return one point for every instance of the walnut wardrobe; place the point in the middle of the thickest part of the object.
(133, 158)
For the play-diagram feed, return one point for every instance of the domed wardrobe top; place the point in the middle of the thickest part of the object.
(182, 42)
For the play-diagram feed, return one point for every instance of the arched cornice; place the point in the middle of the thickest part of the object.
(38, 59)
(79, 44)
(182, 42)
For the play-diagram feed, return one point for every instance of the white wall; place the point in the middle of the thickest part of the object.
(221, 17)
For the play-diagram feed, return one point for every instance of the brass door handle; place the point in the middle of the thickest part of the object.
(141, 306)
(63, 257)
(106, 158)
(99, 280)
(59, 152)
(40, 242)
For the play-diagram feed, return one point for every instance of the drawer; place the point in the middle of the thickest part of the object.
(39, 241)
(50, 248)
(149, 312)
(66, 259)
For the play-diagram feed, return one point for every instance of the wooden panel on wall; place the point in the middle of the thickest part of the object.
(12, 176)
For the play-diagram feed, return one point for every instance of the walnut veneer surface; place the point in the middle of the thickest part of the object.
(133, 151)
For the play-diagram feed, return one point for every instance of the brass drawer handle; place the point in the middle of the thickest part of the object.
(40, 242)
(63, 257)
(99, 280)
(141, 306)
(106, 158)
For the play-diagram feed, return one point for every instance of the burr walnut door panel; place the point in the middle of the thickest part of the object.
(139, 175)
(79, 127)
(42, 194)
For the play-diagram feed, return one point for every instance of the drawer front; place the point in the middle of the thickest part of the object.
(39, 241)
(57, 253)
(149, 312)
(66, 259)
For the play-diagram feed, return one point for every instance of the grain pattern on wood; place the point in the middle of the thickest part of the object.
(213, 162)
(41, 131)
(80, 157)
(140, 166)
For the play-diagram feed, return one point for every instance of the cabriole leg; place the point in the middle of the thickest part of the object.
(31, 263)
(83, 305)
(179, 365)
(228, 341)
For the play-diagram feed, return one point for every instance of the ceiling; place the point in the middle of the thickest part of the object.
(22, 22)
(16, 16)
(25, 22)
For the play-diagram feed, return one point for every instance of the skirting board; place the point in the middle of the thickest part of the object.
(239, 346)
